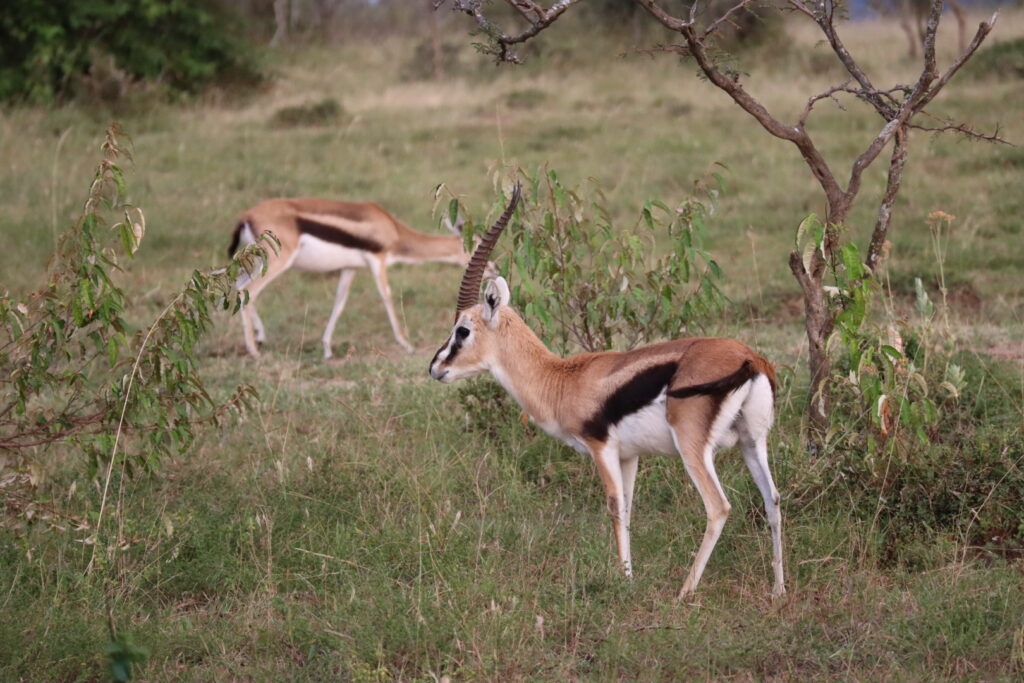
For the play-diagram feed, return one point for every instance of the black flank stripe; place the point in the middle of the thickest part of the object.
(720, 387)
(330, 233)
(638, 392)
(236, 238)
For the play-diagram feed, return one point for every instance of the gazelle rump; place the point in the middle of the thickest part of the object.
(688, 397)
(322, 235)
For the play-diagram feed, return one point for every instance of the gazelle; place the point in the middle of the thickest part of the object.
(689, 396)
(322, 235)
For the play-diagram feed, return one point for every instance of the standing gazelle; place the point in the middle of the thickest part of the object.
(689, 396)
(322, 235)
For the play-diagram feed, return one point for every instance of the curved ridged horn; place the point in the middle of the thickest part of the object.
(469, 291)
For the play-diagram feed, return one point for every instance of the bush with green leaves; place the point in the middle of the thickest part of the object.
(48, 48)
(908, 435)
(583, 282)
(79, 387)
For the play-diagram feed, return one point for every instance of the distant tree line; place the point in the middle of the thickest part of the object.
(55, 49)
(59, 49)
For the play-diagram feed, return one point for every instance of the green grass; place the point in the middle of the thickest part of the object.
(353, 527)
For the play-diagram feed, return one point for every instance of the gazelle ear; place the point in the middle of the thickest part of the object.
(495, 296)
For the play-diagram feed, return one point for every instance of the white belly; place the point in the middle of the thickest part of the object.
(645, 431)
(319, 256)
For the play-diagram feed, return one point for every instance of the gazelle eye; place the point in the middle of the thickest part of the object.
(461, 333)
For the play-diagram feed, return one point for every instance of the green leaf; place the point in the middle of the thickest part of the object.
(851, 262)
(805, 225)
(453, 211)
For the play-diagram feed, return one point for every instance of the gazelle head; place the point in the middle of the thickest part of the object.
(470, 347)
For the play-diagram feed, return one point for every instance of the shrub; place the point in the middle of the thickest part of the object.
(913, 445)
(586, 283)
(325, 112)
(77, 385)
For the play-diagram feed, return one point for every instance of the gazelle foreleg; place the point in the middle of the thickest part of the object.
(344, 284)
(379, 270)
(610, 468)
(629, 468)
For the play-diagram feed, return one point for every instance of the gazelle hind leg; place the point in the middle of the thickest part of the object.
(753, 427)
(261, 333)
(344, 284)
(250, 319)
(755, 454)
(379, 270)
(698, 423)
(700, 465)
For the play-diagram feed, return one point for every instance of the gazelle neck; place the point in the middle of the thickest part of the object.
(524, 366)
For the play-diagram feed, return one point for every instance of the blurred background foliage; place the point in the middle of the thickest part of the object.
(65, 48)
(106, 50)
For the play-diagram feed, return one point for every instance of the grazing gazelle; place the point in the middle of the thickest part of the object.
(689, 396)
(322, 235)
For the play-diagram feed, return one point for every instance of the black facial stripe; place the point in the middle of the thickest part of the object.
(455, 347)
(720, 387)
(332, 233)
(629, 398)
(434, 359)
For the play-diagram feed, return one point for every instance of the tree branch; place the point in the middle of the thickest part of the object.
(892, 188)
(543, 19)
(722, 19)
(984, 28)
(666, 19)
(525, 7)
(964, 129)
(795, 134)
(923, 92)
(830, 93)
(824, 21)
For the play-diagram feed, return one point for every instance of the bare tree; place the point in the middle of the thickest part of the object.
(897, 106)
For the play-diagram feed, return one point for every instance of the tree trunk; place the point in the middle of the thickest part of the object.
(819, 320)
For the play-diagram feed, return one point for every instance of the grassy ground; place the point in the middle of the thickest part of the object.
(355, 527)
